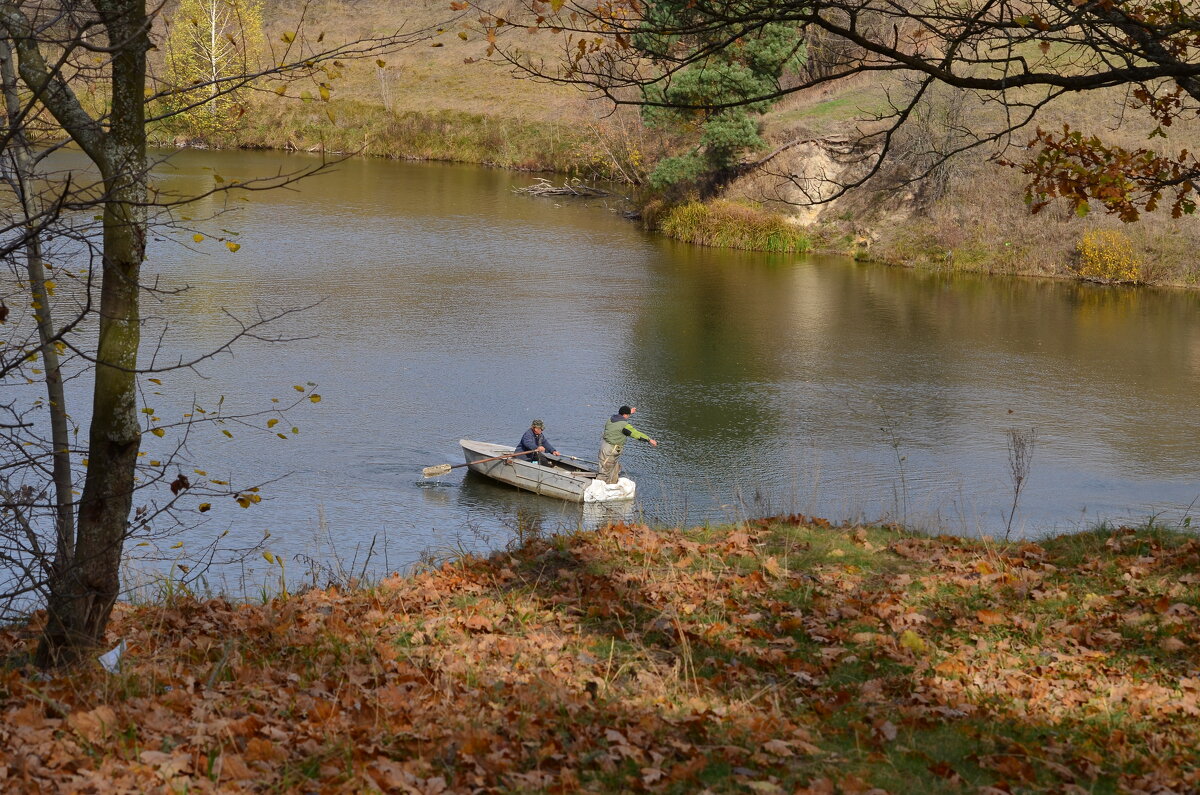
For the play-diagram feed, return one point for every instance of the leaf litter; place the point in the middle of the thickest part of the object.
(777, 656)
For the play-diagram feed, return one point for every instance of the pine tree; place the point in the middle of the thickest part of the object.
(749, 63)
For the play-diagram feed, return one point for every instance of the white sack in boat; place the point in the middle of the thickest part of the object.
(599, 491)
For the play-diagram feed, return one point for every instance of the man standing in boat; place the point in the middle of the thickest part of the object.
(536, 443)
(617, 431)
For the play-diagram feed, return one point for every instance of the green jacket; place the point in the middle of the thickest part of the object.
(618, 429)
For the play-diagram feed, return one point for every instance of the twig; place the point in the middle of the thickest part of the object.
(574, 187)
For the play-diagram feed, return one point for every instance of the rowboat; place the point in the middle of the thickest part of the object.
(565, 480)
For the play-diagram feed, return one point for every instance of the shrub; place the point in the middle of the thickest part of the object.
(652, 214)
(1107, 256)
(725, 224)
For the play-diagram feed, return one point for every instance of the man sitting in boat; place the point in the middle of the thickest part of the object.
(537, 444)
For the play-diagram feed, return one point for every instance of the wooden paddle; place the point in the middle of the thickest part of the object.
(442, 469)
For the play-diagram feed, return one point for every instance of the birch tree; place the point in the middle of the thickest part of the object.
(208, 43)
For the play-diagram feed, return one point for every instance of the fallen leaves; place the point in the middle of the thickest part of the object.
(94, 725)
(167, 765)
(744, 659)
(1172, 645)
(991, 618)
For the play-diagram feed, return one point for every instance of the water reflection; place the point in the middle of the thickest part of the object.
(445, 306)
(494, 514)
(903, 386)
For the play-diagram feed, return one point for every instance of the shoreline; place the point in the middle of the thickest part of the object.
(541, 147)
(778, 655)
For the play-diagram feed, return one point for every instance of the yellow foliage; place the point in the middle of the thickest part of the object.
(1107, 255)
(209, 45)
(913, 642)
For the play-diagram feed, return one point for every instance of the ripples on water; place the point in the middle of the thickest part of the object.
(445, 306)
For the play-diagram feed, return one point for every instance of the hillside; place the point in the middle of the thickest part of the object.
(442, 99)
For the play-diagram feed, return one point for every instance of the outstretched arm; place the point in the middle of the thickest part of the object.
(634, 433)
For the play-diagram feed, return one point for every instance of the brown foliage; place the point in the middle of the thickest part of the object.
(776, 656)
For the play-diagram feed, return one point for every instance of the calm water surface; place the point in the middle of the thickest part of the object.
(448, 307)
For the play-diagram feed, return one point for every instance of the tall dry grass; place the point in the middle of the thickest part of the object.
(726, 224)
(449, 135)
(423, 102)
(984, 225)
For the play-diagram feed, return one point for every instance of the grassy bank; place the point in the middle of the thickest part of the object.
(778, 656)
(983, 226)
(370, 130)
(726, 224)
(446, 100)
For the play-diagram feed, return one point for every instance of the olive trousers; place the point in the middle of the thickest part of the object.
(610, 466)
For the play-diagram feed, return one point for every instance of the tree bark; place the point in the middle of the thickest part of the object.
(79, 608)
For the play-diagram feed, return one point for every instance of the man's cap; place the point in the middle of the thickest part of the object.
(625, 410)
(537, 424)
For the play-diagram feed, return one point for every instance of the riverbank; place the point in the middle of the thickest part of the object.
(446, 99)
(777, 656)
(981, 226)
(369, 130)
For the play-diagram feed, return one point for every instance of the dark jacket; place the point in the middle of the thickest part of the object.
(532, 441)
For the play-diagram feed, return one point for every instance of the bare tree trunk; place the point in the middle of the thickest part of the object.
(78, 610)
(81, 599)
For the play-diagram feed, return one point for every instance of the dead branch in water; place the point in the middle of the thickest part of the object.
(574, 187)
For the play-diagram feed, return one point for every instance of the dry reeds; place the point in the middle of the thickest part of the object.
(726, 224)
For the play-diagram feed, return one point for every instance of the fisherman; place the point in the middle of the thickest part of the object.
(617, 431)
(536, 443)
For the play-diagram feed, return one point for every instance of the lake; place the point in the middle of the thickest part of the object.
(442, 305)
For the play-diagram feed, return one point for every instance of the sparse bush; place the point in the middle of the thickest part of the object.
(1107, 256)
(924, 148)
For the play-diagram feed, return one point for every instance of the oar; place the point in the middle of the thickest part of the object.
(573, 458)
(442, 469)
